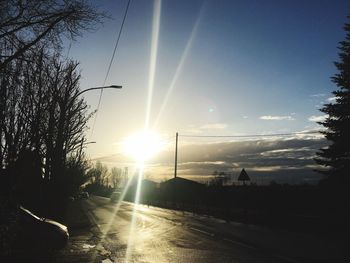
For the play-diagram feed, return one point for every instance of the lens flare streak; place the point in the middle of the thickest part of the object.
(180, 66)
(131, 239)
(152, 71)
(151, 80)
(153, 58)
(114, 214)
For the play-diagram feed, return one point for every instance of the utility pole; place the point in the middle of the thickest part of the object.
(175, 170)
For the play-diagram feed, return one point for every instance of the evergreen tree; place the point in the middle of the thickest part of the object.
(336, 156)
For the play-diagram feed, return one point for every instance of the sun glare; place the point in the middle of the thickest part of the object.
(143, 146)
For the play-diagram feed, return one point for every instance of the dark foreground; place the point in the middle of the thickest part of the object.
(102, 231)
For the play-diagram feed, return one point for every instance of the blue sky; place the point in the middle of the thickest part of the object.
(247, 67)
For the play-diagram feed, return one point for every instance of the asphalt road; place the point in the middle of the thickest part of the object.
(137, 233)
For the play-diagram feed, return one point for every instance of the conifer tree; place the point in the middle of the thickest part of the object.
(336, 157)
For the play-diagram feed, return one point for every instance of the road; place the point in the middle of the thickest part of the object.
(137, 233)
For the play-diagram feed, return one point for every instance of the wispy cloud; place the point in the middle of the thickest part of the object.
(318, 95)
(332, 99)
(317, 118)
(205, 128)
(321, 99)
(276, 118)
(214, 126)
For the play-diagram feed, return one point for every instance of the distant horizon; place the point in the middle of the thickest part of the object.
(284, 160)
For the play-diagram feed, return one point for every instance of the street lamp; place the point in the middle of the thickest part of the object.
(95, 88)
(88, 142)
(83, 91)
(103, 87)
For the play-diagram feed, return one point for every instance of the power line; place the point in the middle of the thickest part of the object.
(110, 65)
(116, 43)
(249, 136)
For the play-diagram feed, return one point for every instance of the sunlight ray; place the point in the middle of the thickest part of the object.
(153, 58)
(114, 213)
(116, 208)
(152, 71)
(180, 66)
(133, 225)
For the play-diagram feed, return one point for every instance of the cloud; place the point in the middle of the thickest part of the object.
(283, 160)
(318, 95)
(332, 99)
(317, 118)
(214, 126)
(276, 118)
(193, 129)
(266, 168)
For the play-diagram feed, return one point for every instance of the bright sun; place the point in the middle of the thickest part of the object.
(143, 146)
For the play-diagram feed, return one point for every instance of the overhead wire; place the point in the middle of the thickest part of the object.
(117, 42)
(249, 136)
(110, 65)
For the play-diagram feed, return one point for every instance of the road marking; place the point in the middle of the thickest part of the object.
(240, 243)
(202, 231)
(226, 239)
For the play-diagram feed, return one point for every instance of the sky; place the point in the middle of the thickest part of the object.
(214, 68)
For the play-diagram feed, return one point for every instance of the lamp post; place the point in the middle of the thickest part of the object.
(95, 88)
(89, 89)
(83, 91)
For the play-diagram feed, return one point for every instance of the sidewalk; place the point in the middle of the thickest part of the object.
(84, 242)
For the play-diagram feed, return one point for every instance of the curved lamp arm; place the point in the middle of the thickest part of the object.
(105, 87)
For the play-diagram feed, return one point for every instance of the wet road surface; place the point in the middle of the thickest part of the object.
(130, 233)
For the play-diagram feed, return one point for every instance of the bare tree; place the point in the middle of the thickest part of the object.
(25, 24)
(99, 174)
(40, 111)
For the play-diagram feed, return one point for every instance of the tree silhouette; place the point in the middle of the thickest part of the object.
(42, 125)
(336, 156)
(39, 110)
(25, 25)
(99, 174)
